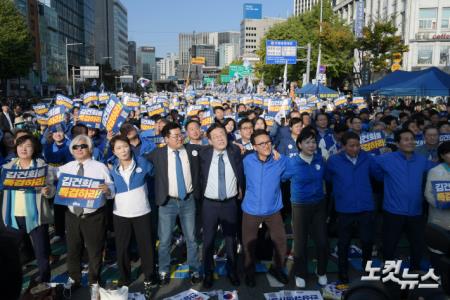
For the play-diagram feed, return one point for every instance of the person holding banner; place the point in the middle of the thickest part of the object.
(132, 212)
(25, 208)
(438, 212)
(309, 206)
(85, 227)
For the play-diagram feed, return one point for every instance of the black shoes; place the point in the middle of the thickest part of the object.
(208, 281)
(234, 279)
(195, 278)
(279, 275)
(250, 280)
(164, 278)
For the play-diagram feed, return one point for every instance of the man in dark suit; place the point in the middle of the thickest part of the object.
(176, 169)
(6, 118)
(222, 181)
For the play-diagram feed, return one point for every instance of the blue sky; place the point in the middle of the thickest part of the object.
(158, 22)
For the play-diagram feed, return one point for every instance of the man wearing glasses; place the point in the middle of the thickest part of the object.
(245, 130)
(86, 227)
(262, 204)
(176, 169)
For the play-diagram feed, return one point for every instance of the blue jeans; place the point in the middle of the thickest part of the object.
(167, 217)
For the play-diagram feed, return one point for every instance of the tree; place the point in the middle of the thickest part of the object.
(337, 46)
(16, 52)
(378, 45)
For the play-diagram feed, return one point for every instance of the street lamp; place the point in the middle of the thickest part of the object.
(67, 60)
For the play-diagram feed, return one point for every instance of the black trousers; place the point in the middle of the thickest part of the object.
(41, 245)
(142, 228)
(250, 226)
(393, 227)
(306, 219)
(90, 231)
(365, 222)
(225, 214)
(59, 212)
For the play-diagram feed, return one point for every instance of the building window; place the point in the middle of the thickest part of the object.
(425, 55)
(445, 17)
(427, 18)
(444, 58)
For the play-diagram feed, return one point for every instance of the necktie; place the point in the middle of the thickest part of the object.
(222, 183)
(76, 209)
(180, 177)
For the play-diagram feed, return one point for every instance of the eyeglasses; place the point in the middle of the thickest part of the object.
(176, 136)
(264, 144)
(246, 128)
(82, 146)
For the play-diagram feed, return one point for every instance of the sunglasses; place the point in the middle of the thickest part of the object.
(82, 146)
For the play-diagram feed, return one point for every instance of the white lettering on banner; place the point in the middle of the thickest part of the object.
(391, 272)
(80, 182)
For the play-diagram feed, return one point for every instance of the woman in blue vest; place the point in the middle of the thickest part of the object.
(306, 172)
(27, 211)
(132, 211)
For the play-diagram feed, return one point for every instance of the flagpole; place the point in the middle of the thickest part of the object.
(320, 46)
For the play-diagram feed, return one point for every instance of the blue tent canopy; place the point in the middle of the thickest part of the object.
(431, 82)
(317, 89)
(428, 82)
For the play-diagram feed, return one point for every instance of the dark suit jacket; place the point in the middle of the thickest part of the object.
(4, 124)
(158, 158)
(234, 155)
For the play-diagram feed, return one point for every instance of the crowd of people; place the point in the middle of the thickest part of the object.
(300, 173)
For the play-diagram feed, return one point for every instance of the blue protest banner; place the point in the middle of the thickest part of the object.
(79, 191)
(90, 117)
(64, 101)
(441, 192)
(40, 109)
(114, 115)
(15, 179)
(56, 119)
(372, 141)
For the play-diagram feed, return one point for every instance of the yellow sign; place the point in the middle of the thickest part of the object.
(198, 60)
(395, 67)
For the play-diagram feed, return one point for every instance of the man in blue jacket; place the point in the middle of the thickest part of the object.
(349, 173)
(262, 203)
(403, 174)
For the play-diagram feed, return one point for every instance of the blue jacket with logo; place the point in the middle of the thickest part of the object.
(287, 147)
(141, 173)
(263, 192)
(403, 182)
(352, 189)
(306, 179)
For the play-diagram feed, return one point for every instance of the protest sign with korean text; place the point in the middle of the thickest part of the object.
(90, 117)
(64, 101)
(40, 109)
(156, 109)
(114, 115)
(441, 192)
(90, 97)
(207, 119)
(147, 124)
(14, 179)
(372, 141)
(79, 191)
(56, 118)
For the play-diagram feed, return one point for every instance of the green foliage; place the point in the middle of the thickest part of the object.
(16, 53)
(378, 44)
(337, 45)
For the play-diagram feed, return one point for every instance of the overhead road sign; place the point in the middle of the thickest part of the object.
(281, 52)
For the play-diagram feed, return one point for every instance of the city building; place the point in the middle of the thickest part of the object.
(302, 6)
(208, 52)
(186, 40)
(132, 57)
(233, 38)
(111, 33)
(252, 31)
(168, 66)
(227, 53)
(252, 11)
(146, 62)
(158, 61)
